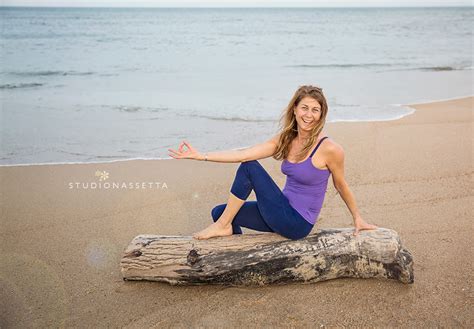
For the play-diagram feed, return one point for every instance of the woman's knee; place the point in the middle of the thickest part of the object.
(217, 211)
(250, 164)
(299, 235)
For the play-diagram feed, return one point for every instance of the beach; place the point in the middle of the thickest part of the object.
(64, 230)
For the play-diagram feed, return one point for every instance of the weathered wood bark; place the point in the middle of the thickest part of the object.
(268, 258)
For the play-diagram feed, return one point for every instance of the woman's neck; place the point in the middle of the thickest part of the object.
(303, 139)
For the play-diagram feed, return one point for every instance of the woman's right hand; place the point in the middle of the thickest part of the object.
(190, 153)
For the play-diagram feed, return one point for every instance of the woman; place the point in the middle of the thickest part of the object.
(291, 212)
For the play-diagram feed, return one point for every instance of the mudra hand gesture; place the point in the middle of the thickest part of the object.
(190, 153)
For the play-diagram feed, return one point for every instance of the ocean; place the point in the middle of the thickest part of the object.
(101, 84)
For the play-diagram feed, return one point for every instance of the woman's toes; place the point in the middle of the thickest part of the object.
(212, 231)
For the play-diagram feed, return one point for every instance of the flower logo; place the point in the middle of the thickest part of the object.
(103, 175)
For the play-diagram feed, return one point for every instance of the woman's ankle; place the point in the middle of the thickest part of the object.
(223, 223)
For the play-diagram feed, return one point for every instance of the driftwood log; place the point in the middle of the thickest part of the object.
(268, 258)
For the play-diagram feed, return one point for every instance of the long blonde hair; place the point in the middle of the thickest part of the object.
(289, 128)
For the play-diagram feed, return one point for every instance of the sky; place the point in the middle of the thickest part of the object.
(239, 3)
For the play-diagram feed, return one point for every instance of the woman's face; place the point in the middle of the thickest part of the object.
(307, 113)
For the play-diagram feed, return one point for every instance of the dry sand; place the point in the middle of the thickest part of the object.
(61, 247)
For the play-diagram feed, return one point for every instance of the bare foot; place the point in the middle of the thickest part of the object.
(215, 229)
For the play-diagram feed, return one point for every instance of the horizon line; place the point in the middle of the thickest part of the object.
(243, 6)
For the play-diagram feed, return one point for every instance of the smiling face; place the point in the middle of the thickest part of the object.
(307, 113)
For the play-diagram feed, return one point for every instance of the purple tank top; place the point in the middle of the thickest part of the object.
(305, 186)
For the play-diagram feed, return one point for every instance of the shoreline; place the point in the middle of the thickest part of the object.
(411, 106)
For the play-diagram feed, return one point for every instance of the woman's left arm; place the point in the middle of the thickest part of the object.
(335, 163)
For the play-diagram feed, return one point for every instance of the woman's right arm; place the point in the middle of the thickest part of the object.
(256, 152)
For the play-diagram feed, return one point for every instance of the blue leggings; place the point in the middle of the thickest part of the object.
(271, 212)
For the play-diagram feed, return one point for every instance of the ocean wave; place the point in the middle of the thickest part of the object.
(129, 108)
(108, 74)
(110, 39)
(20, 85)
(439, 68)
(445, 68)
(88, 161)
(395, 66)
(72, 153)
(109, 157)
(128, 151)
(210, 117)
(148, 119)
(46, 73)
(136, 108)
(37, 35)
(350, 65)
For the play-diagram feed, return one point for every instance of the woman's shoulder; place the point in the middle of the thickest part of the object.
(329, 142)
(331, 147)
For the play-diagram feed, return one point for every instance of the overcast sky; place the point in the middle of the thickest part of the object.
(241, 3)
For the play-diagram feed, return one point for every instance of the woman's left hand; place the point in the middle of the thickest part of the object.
(360, 225)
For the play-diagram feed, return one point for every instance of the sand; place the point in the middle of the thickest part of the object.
(61, 246)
